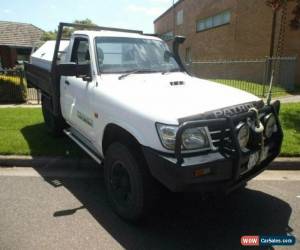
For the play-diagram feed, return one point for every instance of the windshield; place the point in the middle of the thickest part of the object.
(122, 54)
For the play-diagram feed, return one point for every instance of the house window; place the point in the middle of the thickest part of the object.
(188, 55)
(214, 21)
(167, 36)
(179, 17)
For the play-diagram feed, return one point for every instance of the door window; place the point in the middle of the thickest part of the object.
(80, 53)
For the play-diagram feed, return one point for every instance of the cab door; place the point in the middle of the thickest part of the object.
(78, 91)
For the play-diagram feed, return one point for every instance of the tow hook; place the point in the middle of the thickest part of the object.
(258, 128)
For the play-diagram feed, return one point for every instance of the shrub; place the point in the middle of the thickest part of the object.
(13, 88)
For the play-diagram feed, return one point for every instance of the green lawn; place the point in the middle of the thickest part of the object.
(290, 119)
(22, 132)
(252, 87)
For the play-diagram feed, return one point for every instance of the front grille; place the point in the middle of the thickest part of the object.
(223, 142)
(218, 136)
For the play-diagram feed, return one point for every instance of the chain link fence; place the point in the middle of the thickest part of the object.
(249, 75)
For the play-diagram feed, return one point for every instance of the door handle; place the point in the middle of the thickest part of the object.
(67, 82)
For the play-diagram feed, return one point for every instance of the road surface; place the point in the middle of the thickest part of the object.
(66, 208)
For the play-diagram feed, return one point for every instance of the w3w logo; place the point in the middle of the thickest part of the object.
(250, 240)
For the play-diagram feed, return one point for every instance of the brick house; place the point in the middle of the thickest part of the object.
(226, 29)
(16, 42)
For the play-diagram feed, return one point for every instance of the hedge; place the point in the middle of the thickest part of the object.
(13, 89)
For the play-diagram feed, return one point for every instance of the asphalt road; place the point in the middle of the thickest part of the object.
(67, 209)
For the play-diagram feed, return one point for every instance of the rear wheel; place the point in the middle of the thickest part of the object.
(130, 187)
(54, 124)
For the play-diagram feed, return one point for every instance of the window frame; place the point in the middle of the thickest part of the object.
(212, 20)
(75, 47)
(182, 17)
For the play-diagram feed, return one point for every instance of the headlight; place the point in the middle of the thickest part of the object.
(270, 125)
(195, 138)
(243, 134)
(192, 138)
(167, 135)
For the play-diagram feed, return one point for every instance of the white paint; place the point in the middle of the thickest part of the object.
(43, 56)
(139, 101)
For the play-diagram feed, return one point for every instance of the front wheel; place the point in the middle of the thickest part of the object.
(130, 187)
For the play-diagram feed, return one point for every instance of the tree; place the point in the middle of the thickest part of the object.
(276, 6)
(48, 35)
(51, 35)
(85, 22)
(295, 22)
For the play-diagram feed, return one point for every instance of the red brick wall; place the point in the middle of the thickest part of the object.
(246, 37)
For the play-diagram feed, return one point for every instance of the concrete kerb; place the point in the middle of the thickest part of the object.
(60, 161)
(45, 161)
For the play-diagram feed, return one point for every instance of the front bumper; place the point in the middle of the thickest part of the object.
(221, 170)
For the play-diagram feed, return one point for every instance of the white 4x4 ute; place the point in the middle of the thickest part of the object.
(128, 102)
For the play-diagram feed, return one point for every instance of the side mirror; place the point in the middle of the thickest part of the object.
(73, 69)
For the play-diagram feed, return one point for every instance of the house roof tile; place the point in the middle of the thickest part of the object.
(19, 34)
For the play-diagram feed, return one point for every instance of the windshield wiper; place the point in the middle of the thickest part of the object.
(136, 71)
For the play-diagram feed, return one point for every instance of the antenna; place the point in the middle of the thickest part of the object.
(269, 98)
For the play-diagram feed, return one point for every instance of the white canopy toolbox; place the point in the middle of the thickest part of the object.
(44, 55)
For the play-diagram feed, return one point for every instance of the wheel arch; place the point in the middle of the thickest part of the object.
(113, 133)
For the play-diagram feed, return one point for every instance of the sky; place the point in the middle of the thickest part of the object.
(46, 14)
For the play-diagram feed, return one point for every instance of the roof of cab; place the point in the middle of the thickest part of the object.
(105, 33)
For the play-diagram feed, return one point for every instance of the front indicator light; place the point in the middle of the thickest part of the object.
(201, 172)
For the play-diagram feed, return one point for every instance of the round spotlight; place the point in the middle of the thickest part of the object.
(270, 125)
(243, 134)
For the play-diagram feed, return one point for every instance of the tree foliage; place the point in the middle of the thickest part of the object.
(278, 4)
(51, 35)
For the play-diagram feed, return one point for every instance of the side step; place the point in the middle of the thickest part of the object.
(81, 144)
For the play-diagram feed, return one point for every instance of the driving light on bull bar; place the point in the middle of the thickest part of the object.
(270, 125)
(243, 134)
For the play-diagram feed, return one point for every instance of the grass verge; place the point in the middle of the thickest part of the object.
(290, 121)
(22, 132)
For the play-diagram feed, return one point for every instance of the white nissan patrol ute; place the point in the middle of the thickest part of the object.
(128, 101)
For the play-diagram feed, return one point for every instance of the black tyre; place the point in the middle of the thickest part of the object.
(130, 188)
(54, 124)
